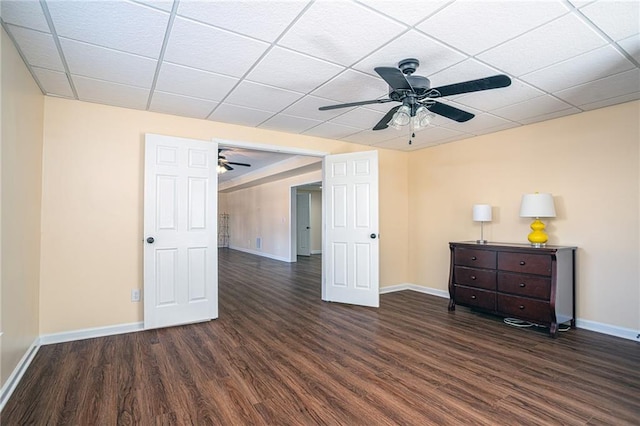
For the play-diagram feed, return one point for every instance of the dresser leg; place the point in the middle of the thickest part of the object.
(553, 329)
(452, 305)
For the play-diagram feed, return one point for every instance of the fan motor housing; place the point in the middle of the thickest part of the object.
(421, 86)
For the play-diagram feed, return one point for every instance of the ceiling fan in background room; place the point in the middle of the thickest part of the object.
(418, 97)
(224, 165)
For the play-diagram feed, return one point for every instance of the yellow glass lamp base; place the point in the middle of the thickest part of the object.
(538, 237)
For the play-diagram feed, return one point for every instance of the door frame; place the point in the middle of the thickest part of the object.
(292, 192)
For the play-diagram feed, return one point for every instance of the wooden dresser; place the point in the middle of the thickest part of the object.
(515, 280)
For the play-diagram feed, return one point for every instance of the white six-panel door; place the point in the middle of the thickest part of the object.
(180, 244)
(350, 242)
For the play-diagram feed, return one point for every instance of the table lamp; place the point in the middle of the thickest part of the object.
(537, 205)
(482, 214)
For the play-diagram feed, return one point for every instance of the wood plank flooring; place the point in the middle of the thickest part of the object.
(278, 355)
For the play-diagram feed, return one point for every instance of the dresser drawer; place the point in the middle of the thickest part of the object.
(475, 258)
(524, 285)
(521, 307)
(539, 264)
(481, 278)
(476, 298)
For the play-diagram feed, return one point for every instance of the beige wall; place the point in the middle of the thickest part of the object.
(21, 180)
(92, 206)
(590, 162)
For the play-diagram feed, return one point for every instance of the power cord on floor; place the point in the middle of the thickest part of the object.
(514, 322)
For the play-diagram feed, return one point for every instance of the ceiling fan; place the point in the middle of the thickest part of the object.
(418, 97)
(225, 165)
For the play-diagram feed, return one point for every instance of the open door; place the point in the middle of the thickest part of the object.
(350, 242)
(180, 231)
(303, 223)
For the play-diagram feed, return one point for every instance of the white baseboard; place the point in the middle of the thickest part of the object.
(413, 287)
(261, 253)
(18, 372)
(316, 251)
(89, 333)
(612, 330)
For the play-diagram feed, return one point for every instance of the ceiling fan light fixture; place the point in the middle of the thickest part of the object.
(422, 118)
(221, 169)
(402, 117)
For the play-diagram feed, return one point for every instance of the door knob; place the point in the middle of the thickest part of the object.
(150, 240)
(373, 236)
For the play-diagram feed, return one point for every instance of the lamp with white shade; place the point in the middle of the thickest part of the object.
(537, 205)
(482, 214)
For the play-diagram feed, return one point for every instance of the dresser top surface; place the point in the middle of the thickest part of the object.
(519, 246)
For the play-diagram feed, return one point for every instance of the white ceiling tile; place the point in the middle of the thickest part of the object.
(331, 131)
(25, 13)
(488, 100)
(165, 5)
(359, 117)
(605, 88)
(475, 26)
(550, 116)
(327, 30)
(508, 125)
(195, 83)
(370, 137)
(408, 11)
(611, 101)
(170, 103)
(556, 41)
(632, 46)
(104, 92)
(108, 64)
(618, 19)
(235, 114)
(531, 108)
(265, 20)
(479, 123)
(266, 98)
(307, 107)
(119, 25)
(433, 55)
(38, 48)
(289, 123)
(218, 50)
(589, 66)
(53, 82)
(294, 71)
(463, 71)
(360, 87)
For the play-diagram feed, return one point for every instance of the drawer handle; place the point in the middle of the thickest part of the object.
(522, 285)
(522, 262)
(473, 296)
(521, 306)
(473, 277)
(474, 258)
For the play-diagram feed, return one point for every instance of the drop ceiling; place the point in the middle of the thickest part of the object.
(271, 64)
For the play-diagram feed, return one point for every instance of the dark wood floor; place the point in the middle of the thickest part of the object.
(278, 355)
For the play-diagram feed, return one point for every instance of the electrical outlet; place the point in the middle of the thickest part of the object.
(135, 295)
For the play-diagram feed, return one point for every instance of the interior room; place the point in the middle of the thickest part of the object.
(541, 97)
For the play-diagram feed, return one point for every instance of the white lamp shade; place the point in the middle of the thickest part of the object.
(537, 205)
(482, 213)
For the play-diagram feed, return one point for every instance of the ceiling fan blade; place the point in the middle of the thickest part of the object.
(352, 104)
(384, 123)
(487, 83)
(226, 166)
(394, 78)
(450, 112)
(238, 164)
